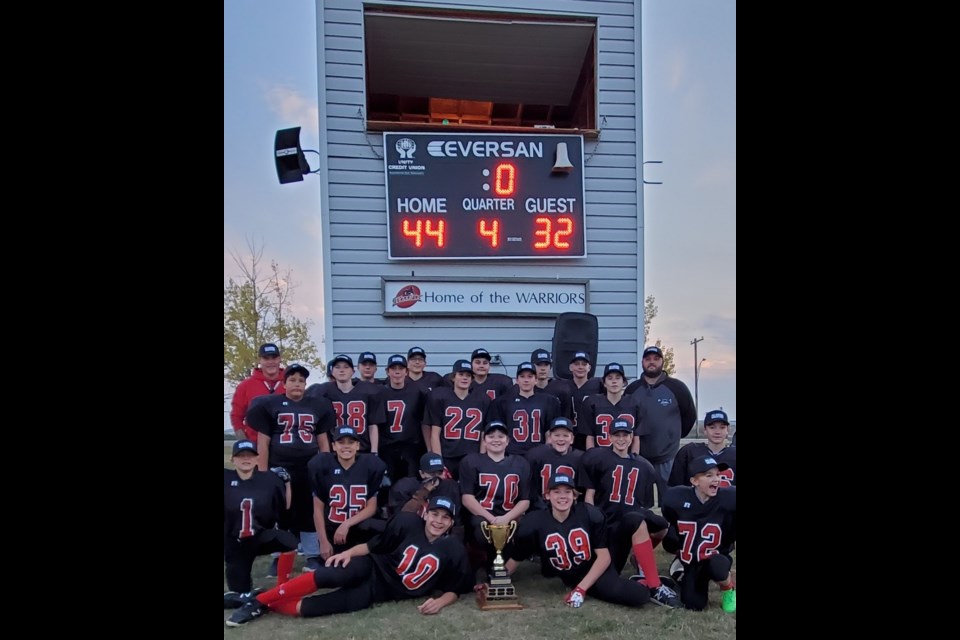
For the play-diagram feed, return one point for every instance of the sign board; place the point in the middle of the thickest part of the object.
(483, 296)
(484, 196)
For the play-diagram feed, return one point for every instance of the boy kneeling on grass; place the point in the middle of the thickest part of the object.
(571, 541)
(703, 528)
(412, 558)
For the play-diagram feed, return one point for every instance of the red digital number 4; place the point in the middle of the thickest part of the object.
(424, 227)
(493, 232)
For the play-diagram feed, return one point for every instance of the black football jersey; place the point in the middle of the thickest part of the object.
(597, 414)
(591, 387)
(404, 410)
(344, 492)
(621, 484)
(494, 386)
(359, 408)
(561, 389)
(527, 418)
(410, 565)
(544, 462)
(497, 485)
(293, 426)
(705, 528)
(428, 381)
(680, 474)
(250, 506)
(460, 421)
(566, 549)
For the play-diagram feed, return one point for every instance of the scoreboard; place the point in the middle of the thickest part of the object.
(484, 196)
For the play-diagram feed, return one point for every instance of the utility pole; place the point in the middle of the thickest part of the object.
(696, 377)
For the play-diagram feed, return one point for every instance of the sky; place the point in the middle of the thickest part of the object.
(689, 125)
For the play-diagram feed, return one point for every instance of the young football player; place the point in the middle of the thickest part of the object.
(412, 558)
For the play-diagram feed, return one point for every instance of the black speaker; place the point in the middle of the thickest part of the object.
(574, 332)
(291, 163)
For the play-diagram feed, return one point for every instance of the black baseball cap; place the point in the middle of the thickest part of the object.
(244, 445)
(344, 432)
(416, 351)
(396, 359)
(580, 355)
(442, 502)
(269, 350)
(652, 351)
(559, 479)
(462, 365)
(479, 353)
(496, 424)
(526, 366)
(431, 462)
(561, 423)
(296, 368)
(704, 464)
(716, 416)
(366, 356)
(621, 425)
(341, 357)
(540, 356)
(614, 367)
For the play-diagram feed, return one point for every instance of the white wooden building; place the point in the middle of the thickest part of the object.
(499, 70)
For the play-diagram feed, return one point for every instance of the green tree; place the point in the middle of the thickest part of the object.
(257, 309)
(649, 313)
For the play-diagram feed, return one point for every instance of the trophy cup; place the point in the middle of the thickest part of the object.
(499, 592)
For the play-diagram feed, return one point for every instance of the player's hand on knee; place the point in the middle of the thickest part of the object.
(575, 598)
(282, 473)
(338, 560)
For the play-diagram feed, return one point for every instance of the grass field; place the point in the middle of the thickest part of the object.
(545, 616)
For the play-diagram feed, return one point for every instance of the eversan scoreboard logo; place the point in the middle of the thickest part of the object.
(484, 149)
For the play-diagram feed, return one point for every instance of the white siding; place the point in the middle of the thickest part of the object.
(354, 208)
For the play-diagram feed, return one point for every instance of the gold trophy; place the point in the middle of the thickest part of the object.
(499, 592)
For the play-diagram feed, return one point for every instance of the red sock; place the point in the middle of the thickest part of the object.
(286, 607)
(643, 552)
(302, 585)
(284, 565)
(729, 586)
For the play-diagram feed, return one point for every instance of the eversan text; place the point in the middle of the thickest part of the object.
(485, 149)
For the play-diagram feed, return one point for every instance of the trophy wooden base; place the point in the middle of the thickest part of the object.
(497, 598)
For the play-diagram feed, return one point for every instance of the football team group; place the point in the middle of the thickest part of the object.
(386, 486)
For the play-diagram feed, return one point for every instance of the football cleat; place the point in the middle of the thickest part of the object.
(250, 610)
(665, 597)
(234, 600)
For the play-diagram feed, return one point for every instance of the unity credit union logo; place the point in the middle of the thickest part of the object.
(407, 296)
(405, 147)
